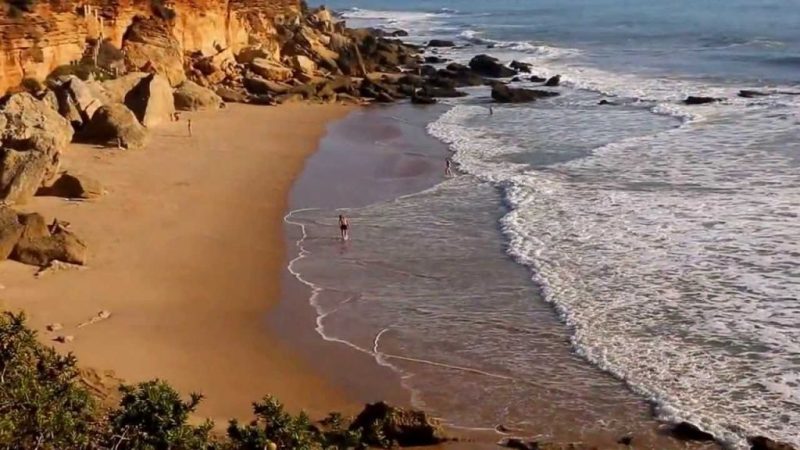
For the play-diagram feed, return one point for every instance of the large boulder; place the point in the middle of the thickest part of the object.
(78, 100)
(190, 96)
(149, 46)
(73, 185)
(32, 136)
(117, 89)
(406, 427)
(520, 66)
(61, 245)
(303, 64)
(115, 123)
(10, 231)
(490, 67)
(260, 86)
(553, 81)
(441, 43)
(232, 95)
(501, 93)
(151, 100)
(271, 70)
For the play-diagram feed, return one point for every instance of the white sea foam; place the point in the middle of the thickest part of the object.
(670, 256)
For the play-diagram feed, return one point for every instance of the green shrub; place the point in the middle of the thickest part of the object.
(273, 424)
(152, 416)
(42, 405)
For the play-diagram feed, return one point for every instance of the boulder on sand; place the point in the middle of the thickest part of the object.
(10, 231)
(232, 95)
(490, 67)
(406, 427)
(504, 94)
(58, 245)
(73, 185)
(190, 96)
(77, 101)
(151, 100)
(32, 136)
(116, 122)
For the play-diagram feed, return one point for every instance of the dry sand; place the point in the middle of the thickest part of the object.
(186, 254)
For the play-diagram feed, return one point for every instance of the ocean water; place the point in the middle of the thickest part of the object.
(663, 238)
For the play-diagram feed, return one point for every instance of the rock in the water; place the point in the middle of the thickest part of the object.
(441, 43)
(271, 70)
(688, 432)
(73, 185)
(62, 246)
(520, 66)
(419, 99)
(113, 124)
(434, 59)
(32, 136)
(10, 231)
(190, 96)
(490, 67)
(231, 95)
(695, 100)
(744, 93)
(553, 81)
(151, 100)
(504, 94)
(537, 79)
(765, 443)
(625, 440)
(442, 92)
(406, 427)
(149, 46)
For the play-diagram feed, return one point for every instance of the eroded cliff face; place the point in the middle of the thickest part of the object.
(55, 32)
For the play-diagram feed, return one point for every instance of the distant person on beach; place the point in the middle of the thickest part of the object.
(189, 126)
(448, 171)
(344, 227)
(491, 111)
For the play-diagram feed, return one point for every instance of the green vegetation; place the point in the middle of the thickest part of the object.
(44, 405)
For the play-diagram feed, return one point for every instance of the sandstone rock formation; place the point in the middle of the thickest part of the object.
(32, 136)
(10, 231)
(149, 46)
(189, 96)
(113, 124)
(60, 245)
(151, 100)
(73, 185)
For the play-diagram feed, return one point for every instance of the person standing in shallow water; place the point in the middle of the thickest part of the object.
(344, 227)
(448, 171)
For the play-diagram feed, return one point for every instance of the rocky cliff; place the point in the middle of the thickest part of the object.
(52, 33)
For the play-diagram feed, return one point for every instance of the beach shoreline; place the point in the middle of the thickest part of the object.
(186, 252)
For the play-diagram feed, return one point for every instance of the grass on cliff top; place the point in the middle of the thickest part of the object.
(45, 406)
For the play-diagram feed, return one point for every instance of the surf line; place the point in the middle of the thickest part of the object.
(380, 357)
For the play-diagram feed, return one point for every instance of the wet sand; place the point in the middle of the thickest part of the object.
(186, 253)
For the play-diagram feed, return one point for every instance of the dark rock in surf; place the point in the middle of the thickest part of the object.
(504, 94)
(625, 440)
(553, 81)
(490, 67)
(456, 67)
(538, 79)
(434, 59)
(606, 102)
(421, 99)
(399, 33)
(686, 431)
(516, 80)
(744, 93)
(427, 71)
(695, 100)
(441, 43)
(765, 443)
(442, 92)
(520, 66)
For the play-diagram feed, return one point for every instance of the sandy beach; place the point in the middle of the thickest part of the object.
(186, 254)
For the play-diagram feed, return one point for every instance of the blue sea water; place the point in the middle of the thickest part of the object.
(665, 237)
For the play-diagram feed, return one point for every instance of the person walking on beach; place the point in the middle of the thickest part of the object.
(189, 126)
(344, 226)
(491, 110)
(448, 171)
